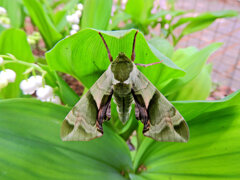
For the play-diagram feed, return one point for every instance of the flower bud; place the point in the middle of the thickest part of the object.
(9, 74)
(44, 92)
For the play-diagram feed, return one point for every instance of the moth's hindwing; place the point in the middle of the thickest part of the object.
(81, 122)
(161, 119)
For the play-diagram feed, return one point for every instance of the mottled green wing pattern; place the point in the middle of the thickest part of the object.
(81, 122)
(161, 119)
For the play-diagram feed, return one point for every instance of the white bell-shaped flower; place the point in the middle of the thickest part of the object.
(1, 60)
(44, 92)
(36, 80)
(78, 13)
(73, 32)
(75, 27)
(9, 74)
(54, 99)
(80, 6)
(3, 82)
(27, 87)
(3, 11)
(69, 18)
(75, 19)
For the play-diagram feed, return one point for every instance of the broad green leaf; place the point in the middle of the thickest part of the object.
(140, 10)
(85, 57)
(96, 14)
(211, 153)
(14, 11)
(198, 88)
(14, 41)
(192, 109)
(193, 67)
(31, 148)
(163, 46)
(43, 22)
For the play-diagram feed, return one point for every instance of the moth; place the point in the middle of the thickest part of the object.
(126, 84)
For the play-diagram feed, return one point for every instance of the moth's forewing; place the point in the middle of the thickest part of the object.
(165, 122)
(81, 122)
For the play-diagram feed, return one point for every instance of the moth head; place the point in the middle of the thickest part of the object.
(122, 67)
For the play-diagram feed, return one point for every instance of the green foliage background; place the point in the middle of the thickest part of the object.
(30, 145)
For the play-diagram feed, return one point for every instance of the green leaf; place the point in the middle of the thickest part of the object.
(203, 20)
(193, 67)
(14, 11)
(14, 41)
(163, 46)
(96, 14)
(211, 153)
(31, 148)
(198, 88)
(192, 109)
(85, 57)
(43, 22)
(140, 10)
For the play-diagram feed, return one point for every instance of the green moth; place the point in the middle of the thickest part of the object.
(126, 84)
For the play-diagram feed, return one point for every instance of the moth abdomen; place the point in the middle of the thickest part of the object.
(123, 98)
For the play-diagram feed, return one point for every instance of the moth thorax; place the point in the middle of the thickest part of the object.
(121, 67)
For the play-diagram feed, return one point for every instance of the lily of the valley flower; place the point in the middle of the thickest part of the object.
(3, 82)
(3, 11)
(43, 93)
(1, 60)
(80, 6)
(8, 74)
(54, 99)
(27, 87)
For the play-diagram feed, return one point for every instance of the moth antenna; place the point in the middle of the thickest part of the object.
(133, 49)
(109, 54)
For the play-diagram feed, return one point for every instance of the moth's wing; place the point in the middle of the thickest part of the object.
(161, 119)
(81, 122)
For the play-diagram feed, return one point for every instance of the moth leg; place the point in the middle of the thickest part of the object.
(103, 111)
(146, 65)
(141, 111)
(108, 113)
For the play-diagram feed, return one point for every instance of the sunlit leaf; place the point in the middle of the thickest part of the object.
(31, 148)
